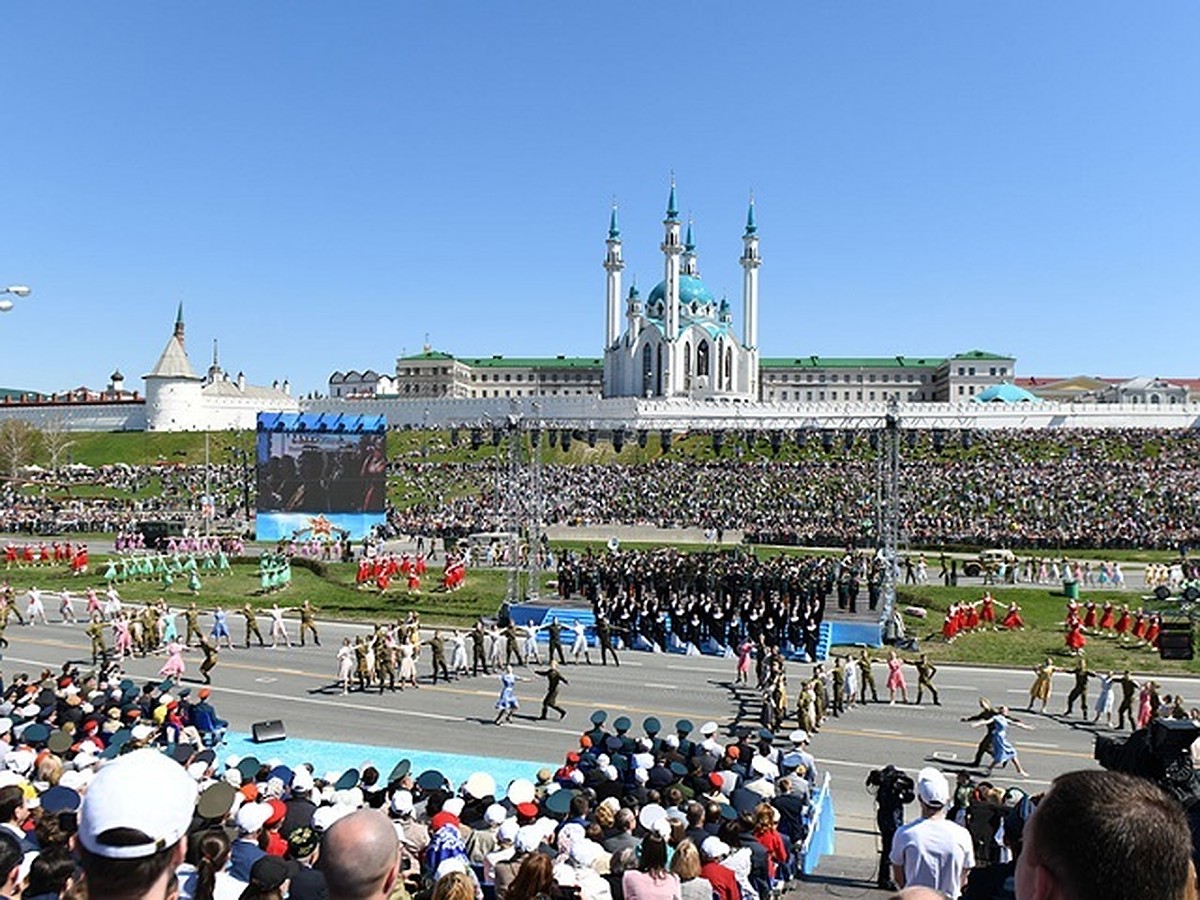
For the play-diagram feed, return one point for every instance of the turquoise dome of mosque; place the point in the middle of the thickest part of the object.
(691, 290)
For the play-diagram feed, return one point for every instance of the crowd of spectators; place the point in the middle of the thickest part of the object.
(1112, 488)
(129, 773)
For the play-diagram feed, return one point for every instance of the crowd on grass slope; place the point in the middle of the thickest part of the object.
(1112, 488)
(1026, 489)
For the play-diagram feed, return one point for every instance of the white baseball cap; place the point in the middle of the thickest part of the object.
(932, 787)
(118, 797)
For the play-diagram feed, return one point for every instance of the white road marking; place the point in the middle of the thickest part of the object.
(661, 686)
(1041, 746)
(883, 731)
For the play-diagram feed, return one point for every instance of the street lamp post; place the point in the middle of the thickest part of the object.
(17, 290)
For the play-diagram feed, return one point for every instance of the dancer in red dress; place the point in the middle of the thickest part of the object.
(1140, 625)
(1012, 619)
(950, 625)
(1089, 617)
(1123, 623)
(1075, 638)
(987, 612)
(1153, 630)
(972, 617)
(1107, 618)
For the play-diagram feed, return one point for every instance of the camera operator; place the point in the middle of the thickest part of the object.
(893, 790)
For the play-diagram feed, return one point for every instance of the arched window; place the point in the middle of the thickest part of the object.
(647, 369)
(687, 365)
(702, 358)
(658, 375)
(729, 368)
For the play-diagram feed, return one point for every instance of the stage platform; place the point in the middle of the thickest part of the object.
(839, 631)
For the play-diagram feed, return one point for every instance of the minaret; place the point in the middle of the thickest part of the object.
(689, 253)
(613, 264)
(671, 251)
(750, 262)
(179, 323)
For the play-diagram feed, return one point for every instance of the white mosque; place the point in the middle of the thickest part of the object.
(680, 342)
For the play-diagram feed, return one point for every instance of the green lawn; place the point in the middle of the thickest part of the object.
(1043, 611)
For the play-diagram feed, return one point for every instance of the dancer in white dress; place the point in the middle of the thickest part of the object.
(278, 628)
(580, 646)
(408, 666)
(66, 608)
(458, 653)
(345, 663)
(36, 609)
(495, 647)
(530, 648)
(1104, 702)
(112, 604)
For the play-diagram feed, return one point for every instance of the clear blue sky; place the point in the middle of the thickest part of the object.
(323, 184)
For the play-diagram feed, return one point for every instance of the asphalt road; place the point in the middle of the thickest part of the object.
(297, 686)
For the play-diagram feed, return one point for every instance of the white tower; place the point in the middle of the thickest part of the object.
(173, 398)
(613, 264)
(671, 249)
(750, 262)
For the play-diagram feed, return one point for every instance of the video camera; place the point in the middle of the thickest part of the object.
(893, 788)
(1160, 753)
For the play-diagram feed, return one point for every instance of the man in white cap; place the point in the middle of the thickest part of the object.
(132, 827)
(932, 851)
(245, 852)
(799, 739)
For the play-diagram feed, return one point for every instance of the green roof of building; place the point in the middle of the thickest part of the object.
(18, 394)
(429, 354)
(851, 362)
(979, 354)
(535, 362)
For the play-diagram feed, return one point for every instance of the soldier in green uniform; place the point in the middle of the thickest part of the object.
(511, 647)
(209, 649)
(360, 662)
(149, 629)
(478, 638)
(604, 638)
(191, 617)
(839, 685)
(925, 672)
(554, 679)
(247, 612)
(95, 630)
(437, 653)
(385, 659)
(555, 632)
(1128, 689)
(820, 697)
(308, 622)
(1079, 692)
(866, 679)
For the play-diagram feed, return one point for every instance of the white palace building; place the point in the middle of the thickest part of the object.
(671, 361)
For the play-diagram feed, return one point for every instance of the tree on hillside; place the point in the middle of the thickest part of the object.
(19, 441)
(56, 441)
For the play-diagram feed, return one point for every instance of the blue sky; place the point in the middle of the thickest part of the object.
(324, 184)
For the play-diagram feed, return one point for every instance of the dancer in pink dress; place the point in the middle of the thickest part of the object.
(895, 679)
(174, 667)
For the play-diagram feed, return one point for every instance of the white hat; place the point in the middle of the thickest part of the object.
(708, 728)
(932, 787)
(117, 798)
(495, 814)
(302, 780)
(714, 848)
(252, 816)
(799, 736)
(507, 832)
(479, 785)
(454, 806)
(585, 852)
(528, 838)
(325, 816)
(520, 790)
(764, 767)
(402, 803)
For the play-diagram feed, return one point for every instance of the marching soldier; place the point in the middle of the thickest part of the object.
(251, 618)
